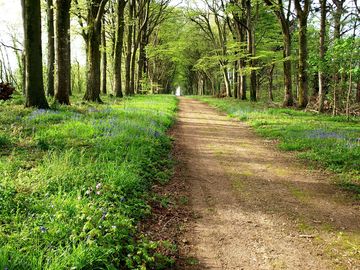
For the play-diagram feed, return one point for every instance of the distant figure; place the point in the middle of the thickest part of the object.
(178, 91)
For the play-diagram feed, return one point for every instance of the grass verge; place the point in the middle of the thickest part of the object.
(332, 142)
(74, 183)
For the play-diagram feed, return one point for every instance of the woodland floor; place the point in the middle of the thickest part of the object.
(252, 206)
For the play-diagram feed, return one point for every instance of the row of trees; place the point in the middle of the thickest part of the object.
(233, 48)
(313, 45)
(102, 25)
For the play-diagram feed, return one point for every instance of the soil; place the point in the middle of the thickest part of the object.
(247, 205)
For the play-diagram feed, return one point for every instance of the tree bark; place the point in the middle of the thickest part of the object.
(251, 51)
(322, 52)
(302, 15)
(119, 48)
(51, 48)
(288, 97)
(128, 90)
(142, 57)
(337, 33)
(236, 79)
(103, 60)
(63, 61)
(93, 56)
(133, 61)
(271, 85)
(34, 91)
(226, 81)
(243, 85)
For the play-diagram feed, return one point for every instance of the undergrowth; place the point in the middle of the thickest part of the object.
(330, 141)
(74, 183)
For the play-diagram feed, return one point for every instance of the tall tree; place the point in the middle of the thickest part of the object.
(251, 48)
(91, 33)
(143, 16)
(119, 48)
(130, 42)
(239, 18)
(63, 61)
(322, 51)
(34, 89)
(302, 12)
(339, 9)
(154, 16)
(103, 59)
(278, 9)
(217, 35)
(50, 48)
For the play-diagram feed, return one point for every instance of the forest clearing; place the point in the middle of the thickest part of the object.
(179, 134)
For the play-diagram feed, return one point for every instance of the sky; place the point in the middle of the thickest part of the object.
(11, 24)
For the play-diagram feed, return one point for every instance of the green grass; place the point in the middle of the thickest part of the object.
(332, 142)
(74, 183)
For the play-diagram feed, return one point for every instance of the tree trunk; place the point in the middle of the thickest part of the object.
(243, 85)
(303, 55)
(302, 15)
(103, 60)
(63, 62)
(322, 52)
(34, 91)
(133, 61)
(119, 48)
(271, 85)
(23, 60)
(236, 79)
(69, 66)
(142, 58)
(288, 95)
(337, 17)
(226, 81)
(358, 92)
(128, 90)
(285, 28)
(93, 56)
(51, 48)
(251, 51)
(93, 64)
(337, 33)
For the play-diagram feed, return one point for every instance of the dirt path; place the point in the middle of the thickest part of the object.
(254, 206)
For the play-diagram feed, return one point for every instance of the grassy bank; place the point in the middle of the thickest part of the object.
(74, 180)
(333, 142)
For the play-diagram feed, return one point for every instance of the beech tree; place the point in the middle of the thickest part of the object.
(91, 32)
(34, 87)
(284, 20)
(242, 46)
(50, 48)
(120, 28)
(103, 59)
(302, 12)
(217, 34)
(239, 21)
(322, 51)
(63, 61)
(130, 42)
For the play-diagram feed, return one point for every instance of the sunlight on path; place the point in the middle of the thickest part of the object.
(256, 207)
